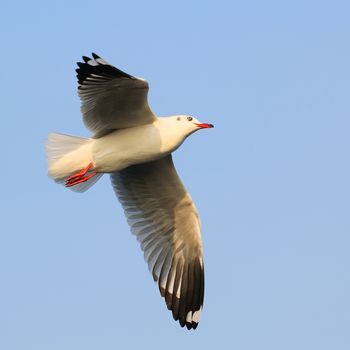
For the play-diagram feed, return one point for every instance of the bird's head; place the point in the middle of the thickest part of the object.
(188, 124)
(175, 129)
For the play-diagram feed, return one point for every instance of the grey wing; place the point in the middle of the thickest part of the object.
(165, 221)
(111, 99)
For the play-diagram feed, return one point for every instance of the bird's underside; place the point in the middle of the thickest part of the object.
(159, 210)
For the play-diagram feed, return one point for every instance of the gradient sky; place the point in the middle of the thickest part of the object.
(271, 181)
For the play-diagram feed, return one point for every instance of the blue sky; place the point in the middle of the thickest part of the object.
(271, 181)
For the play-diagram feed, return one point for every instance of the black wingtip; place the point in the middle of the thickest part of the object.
(86, 59)
(99, 69)
(191, 325)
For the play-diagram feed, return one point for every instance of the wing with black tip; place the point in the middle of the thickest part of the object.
(165, 221)
(111, 99)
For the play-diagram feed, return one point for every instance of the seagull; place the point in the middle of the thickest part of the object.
(135, 147)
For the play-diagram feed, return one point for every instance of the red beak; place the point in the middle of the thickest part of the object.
(204, 125)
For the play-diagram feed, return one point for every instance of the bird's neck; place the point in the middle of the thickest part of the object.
(171, 137)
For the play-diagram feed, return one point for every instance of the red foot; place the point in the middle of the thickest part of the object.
(80, 177)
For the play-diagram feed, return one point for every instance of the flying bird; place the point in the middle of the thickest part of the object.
(134, 146)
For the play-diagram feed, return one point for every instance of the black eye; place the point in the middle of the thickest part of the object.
(189, 118)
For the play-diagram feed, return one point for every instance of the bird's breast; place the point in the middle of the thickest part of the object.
(131, 146)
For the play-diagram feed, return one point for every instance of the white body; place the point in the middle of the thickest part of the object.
(125, 147)
(140, 144)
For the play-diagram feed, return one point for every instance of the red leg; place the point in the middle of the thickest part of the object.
(80, 173)
(80, 177)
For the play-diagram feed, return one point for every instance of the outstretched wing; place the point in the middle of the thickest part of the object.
(111, 99)
(164, 218)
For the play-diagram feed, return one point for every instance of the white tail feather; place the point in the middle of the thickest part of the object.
(66, 156)
(58, 145)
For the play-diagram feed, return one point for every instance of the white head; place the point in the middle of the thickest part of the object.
(175, 129)
(186, 125)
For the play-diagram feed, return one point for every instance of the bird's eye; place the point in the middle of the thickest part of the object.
(178, 118)
(189, 118)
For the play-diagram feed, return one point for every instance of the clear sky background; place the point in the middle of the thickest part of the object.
(271, 181)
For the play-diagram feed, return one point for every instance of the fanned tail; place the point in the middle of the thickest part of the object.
(68, 156)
